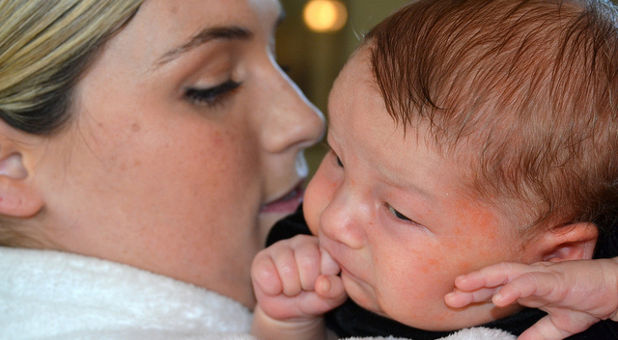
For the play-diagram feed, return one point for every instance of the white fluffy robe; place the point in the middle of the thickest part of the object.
(476, 333)
(48, 295)
(53, 295)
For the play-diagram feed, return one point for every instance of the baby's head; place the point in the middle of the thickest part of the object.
(466, 133)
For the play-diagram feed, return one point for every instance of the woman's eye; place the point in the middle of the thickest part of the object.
(213, 95)
(398, 214)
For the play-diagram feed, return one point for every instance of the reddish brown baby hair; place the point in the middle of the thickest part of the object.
(528, 89)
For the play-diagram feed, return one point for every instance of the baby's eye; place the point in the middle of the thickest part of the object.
(398, 214)
(339, 162)
(213, 95)
(330, 149)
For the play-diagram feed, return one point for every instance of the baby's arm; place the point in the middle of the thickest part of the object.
(575, 294)
(295, 283)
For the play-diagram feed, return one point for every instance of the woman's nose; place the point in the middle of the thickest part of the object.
(292, 120)
(344, 219)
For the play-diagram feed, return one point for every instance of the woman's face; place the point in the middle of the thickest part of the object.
(186, 145)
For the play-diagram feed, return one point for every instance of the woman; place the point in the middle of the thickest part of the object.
(145, 149)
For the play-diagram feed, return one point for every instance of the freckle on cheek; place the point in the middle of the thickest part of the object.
(465, 266)
(432, 262)
(430, 265)
(217, 139)
(474, 218)
(443, 316)
(218, 160)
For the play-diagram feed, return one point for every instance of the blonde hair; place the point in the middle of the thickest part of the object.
(44, 47)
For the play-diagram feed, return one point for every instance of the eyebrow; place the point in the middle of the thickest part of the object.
(388, 176)
(204, 36)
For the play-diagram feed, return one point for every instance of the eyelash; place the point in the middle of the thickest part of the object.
(398, 215)
(339, 162)
(211, 96)
(392, 210)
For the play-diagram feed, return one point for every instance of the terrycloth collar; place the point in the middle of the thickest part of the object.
(53, 295)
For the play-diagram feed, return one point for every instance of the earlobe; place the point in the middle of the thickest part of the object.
(17, 196)
(13, 167)
(17, 199)
(573, 241)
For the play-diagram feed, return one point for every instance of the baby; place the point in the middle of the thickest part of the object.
(463, 134)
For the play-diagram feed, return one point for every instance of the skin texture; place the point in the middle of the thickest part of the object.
(385, 258)
(575, 294)
(295, 282)
(400, 222)
(146, 176)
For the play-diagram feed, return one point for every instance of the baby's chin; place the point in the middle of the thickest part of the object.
(444, 318)
(362, 295)
(429, 312)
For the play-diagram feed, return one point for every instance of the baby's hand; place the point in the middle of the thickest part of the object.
(295, 280)
(575, 294)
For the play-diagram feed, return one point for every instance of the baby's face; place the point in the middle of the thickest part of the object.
(395, 214)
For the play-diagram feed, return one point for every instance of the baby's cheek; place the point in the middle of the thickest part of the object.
(317, 197)
(418, 297)
(476, 235)
(472, 250)
(430, 274)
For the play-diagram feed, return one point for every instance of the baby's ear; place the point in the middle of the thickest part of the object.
(575, 241)
(18, 196)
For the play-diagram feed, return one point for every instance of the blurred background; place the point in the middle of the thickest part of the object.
(315, 40)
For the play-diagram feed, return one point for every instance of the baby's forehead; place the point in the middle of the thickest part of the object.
(393, 154)
(515, 91)
(357, 73)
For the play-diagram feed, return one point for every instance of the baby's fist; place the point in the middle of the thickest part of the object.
(294, 279)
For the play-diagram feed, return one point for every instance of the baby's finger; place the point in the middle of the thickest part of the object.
(530, 289)
(284, 260)
(265, 276)
(308, 262)
(491, 276)
(316, 305)
(459, 299)
(328, 266)
(330, 287)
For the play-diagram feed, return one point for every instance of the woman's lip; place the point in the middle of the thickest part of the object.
(287, 203)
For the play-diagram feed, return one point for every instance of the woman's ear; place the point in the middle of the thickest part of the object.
(18, 196)
(574, 241)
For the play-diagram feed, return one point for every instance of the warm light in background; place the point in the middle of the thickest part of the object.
(325, 15)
